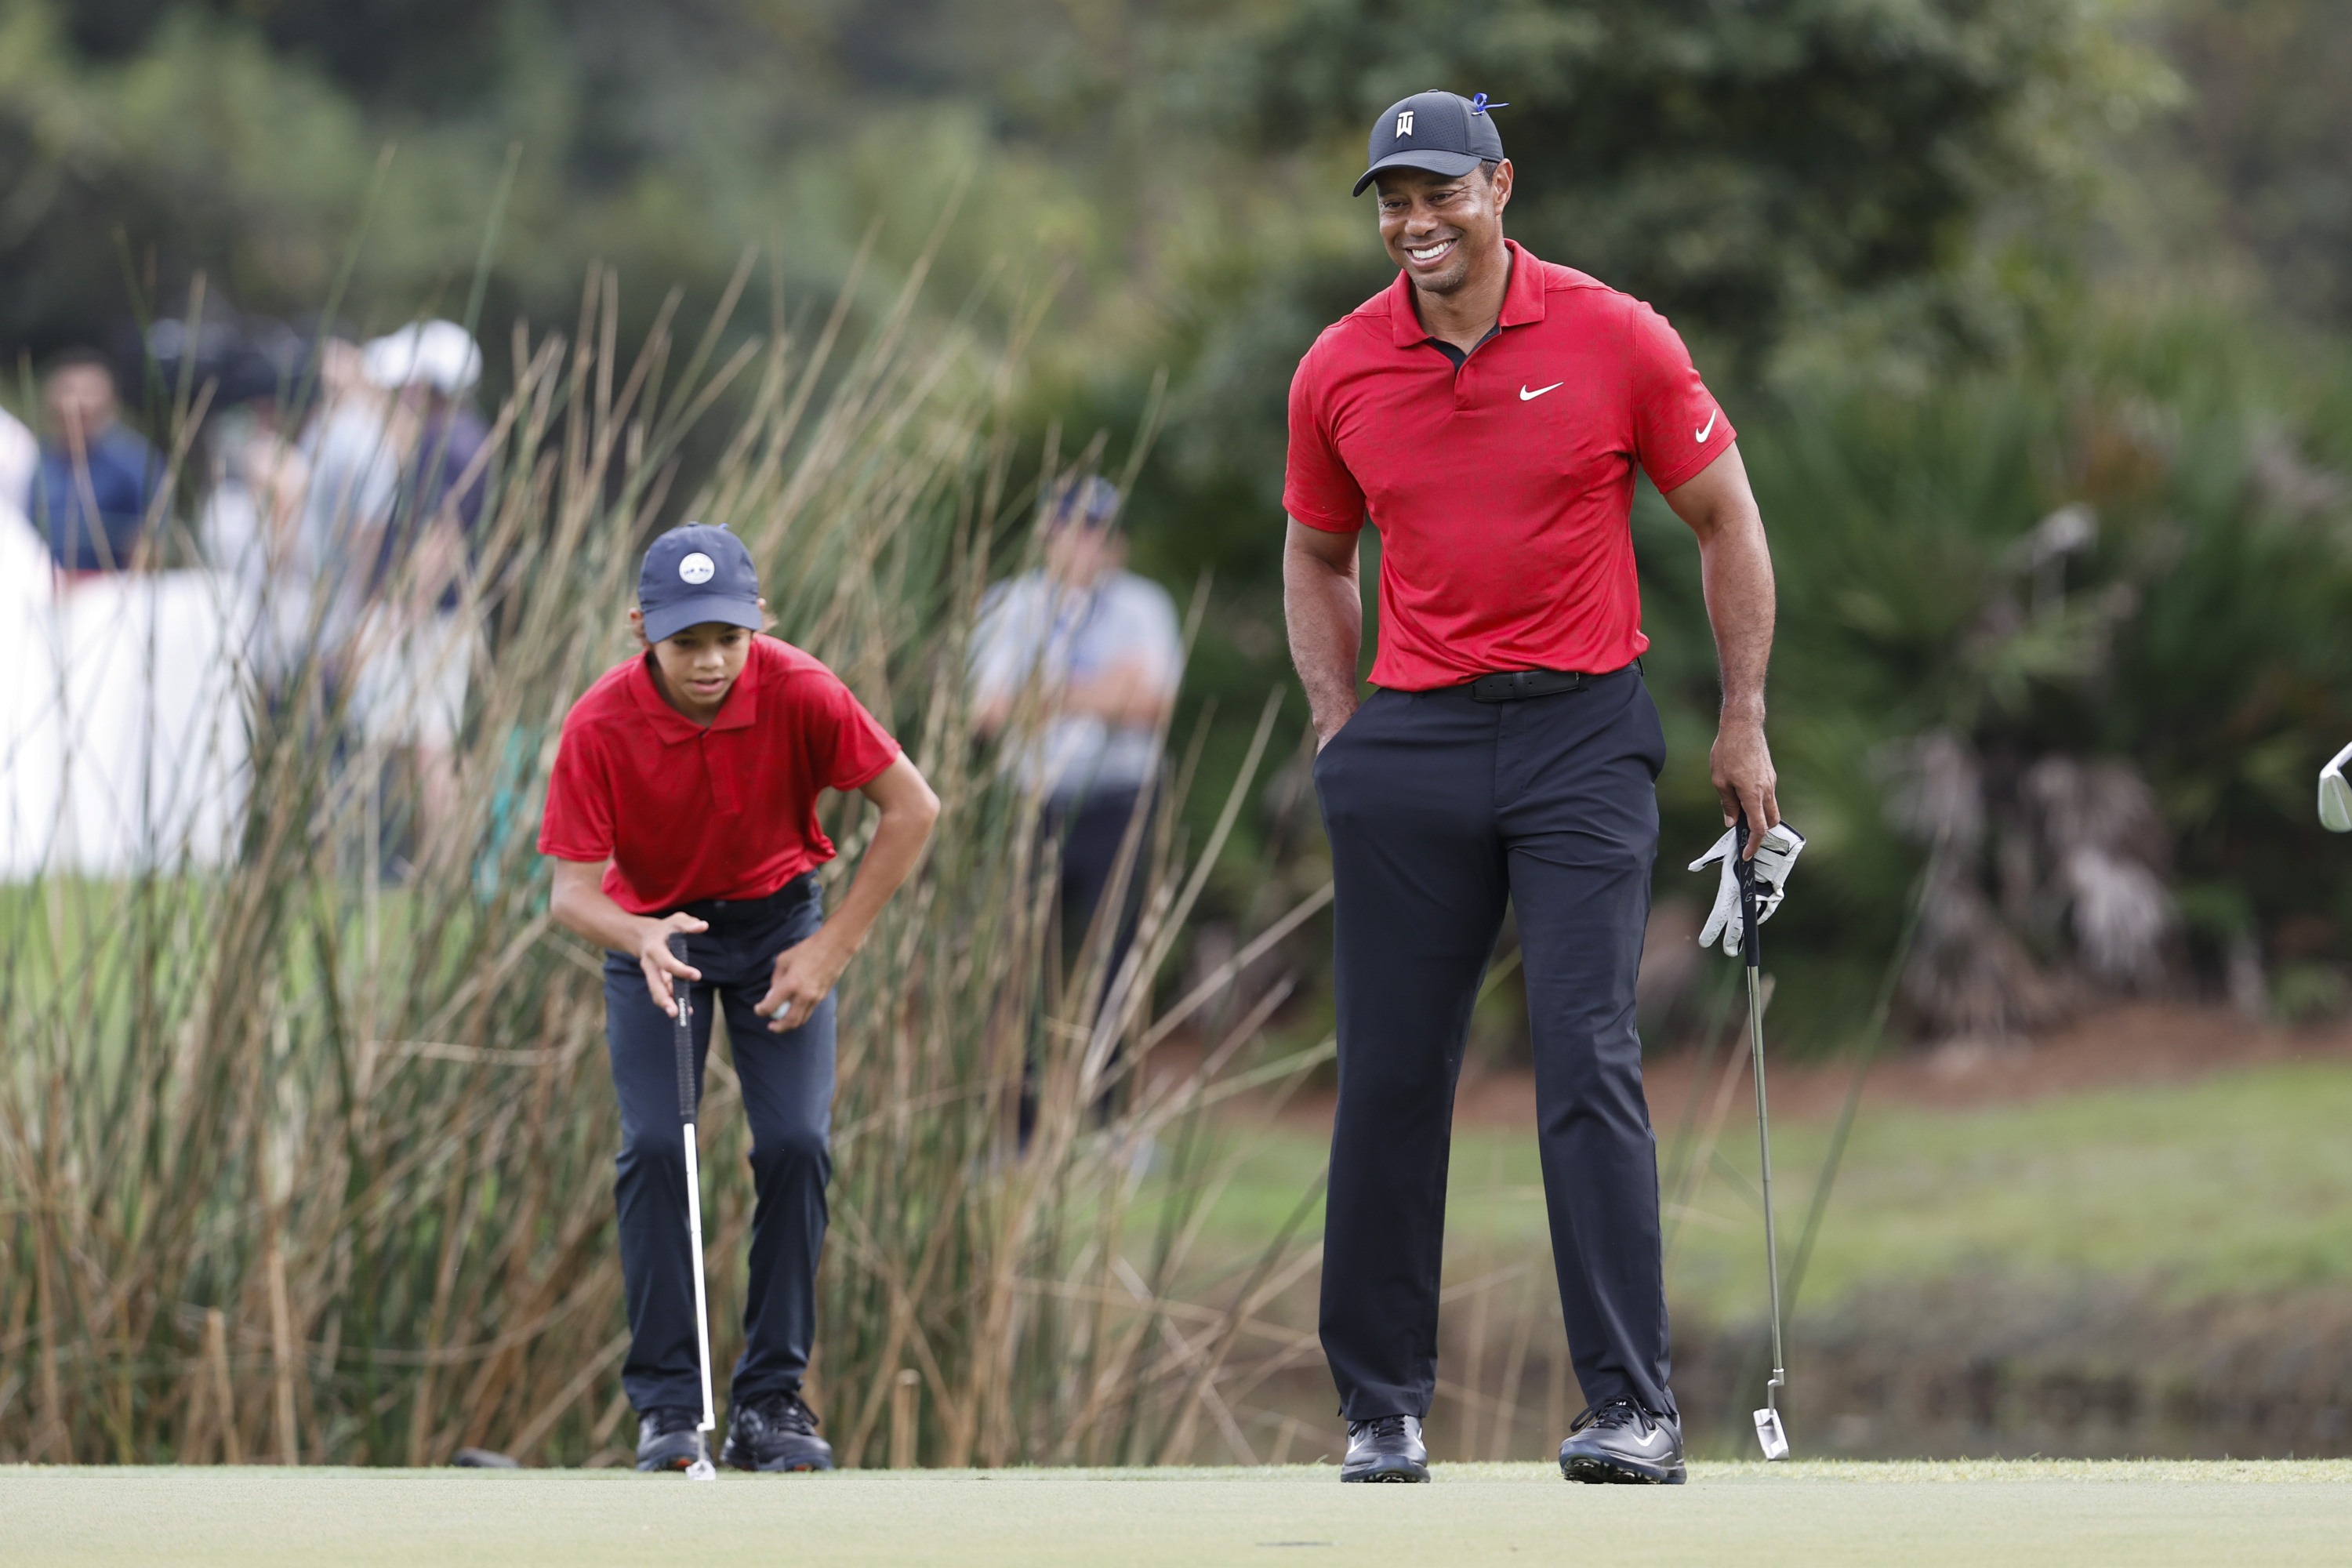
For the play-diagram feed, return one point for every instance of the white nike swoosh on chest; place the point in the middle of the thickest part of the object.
(1709, 428)
(1538, 392)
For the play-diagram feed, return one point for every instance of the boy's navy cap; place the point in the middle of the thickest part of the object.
(694, 574)
(1443, 132)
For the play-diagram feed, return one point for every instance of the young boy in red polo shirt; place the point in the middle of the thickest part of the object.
(684, 800)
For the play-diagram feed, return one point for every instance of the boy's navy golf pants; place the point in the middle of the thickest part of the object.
(1440, 810)
(788, 1093)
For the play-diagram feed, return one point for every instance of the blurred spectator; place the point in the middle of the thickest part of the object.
(1100, 648)
(422, 638)
(96, 478)
(251, 533)
(352, 449)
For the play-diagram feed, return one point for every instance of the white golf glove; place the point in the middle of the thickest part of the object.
(1774, 857)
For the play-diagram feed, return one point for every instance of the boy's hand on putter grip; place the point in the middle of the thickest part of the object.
(806, 975)
(655, 959)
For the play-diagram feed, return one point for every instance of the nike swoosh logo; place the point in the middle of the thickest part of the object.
(1711, 418)
(1524, 394)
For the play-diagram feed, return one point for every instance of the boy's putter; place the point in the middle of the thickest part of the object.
(683, 1035)
(1770, 1432)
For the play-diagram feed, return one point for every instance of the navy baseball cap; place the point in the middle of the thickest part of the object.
(1443, 132)
(694, 574)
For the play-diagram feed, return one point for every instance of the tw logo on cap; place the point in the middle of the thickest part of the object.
(1404, 124)
(696, 568)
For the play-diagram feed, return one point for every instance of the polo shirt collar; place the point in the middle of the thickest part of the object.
(740, 712)
(1523, 302)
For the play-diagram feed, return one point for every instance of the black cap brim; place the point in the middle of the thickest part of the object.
(1436, 162)
(672, 619)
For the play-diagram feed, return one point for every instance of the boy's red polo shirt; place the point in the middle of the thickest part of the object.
(730, 812)
(1504, 491)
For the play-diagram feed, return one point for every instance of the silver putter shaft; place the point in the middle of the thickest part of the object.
(1769, 1431)
(683, 1038)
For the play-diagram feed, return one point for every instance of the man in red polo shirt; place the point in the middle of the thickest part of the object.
(1487, 413)
(684, 800)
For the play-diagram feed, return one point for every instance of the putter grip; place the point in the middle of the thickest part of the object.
(1751, 940)
(682, 1033)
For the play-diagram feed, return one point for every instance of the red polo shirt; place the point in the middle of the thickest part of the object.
(1503, 490)
(729, 812)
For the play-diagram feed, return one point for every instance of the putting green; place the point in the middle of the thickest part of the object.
(1813, 1515)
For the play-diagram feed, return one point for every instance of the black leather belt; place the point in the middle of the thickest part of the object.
(719, 911)
(1519, 685)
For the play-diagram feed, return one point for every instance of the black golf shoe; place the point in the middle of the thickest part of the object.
(1619, 1441)
(666, 1438)
(776, 1433)
(1386, 1450)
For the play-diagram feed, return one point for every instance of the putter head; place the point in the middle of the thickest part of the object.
(1771, 1434)
(2335, 795)
(702, 1469)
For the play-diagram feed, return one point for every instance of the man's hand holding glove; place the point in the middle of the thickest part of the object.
(1775, 855)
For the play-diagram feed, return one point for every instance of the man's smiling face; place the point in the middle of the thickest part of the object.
(1441, 228)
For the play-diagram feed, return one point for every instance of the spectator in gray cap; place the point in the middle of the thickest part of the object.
(1099, 647)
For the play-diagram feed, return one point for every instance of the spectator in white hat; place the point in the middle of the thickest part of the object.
(422, 638)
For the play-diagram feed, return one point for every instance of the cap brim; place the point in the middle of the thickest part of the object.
(1436, 162)
(672, 619)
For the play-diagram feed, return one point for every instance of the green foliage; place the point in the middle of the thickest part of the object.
(2202, 637)
(1739, 166)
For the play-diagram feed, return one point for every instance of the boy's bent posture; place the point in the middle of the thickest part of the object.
(684, 799)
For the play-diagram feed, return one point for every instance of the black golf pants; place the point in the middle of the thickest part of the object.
(1440, 809)
(788, 1093)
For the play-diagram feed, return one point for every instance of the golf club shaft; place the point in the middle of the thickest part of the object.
(682, 1038)
(701, 1305)
(1752, 951)
(1764, 1154)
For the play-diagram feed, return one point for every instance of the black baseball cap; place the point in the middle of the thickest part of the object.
(1443, 132)
(694, 574)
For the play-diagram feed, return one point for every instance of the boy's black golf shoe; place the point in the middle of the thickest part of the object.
(1386, 1450)
(1619, 1441)
(777, 1432)
(666, 1438)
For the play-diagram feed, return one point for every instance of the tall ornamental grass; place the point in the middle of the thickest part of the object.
(305, 1153)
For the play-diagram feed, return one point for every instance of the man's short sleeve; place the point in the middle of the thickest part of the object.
(849, 749)
(578, 821)
(1678, 427)
(1317, 488)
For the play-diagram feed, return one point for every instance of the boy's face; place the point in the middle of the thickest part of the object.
(699, 665)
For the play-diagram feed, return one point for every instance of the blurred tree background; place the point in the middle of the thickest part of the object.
(2033, 315)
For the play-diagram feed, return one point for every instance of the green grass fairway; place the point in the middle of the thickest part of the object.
(1803, 1515)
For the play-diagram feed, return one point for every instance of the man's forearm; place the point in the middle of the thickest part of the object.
(1735, 571)
(1324, 608)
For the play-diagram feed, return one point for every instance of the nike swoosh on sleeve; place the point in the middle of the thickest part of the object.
(1524, 394)
(1709, 428)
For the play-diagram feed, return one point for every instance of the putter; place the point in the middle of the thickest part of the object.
(1770, 1432)
(2335, 795)
(701, 1470)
